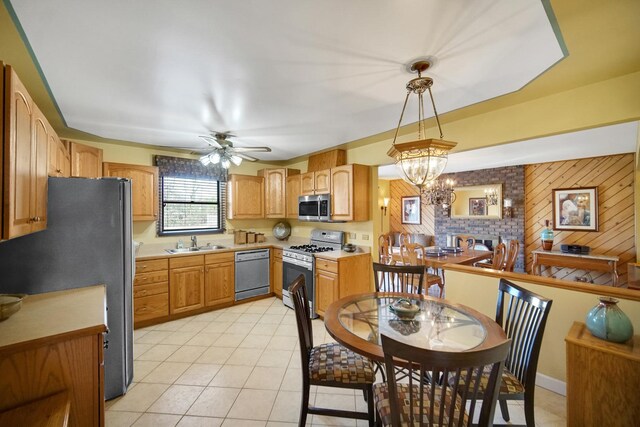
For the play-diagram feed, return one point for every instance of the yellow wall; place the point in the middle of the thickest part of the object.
(480, 293)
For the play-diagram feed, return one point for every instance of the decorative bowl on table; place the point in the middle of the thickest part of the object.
(435, 251)
(404, 308)
(9, 304)
(452, 249)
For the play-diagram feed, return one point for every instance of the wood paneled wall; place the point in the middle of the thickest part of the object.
(614, 177)
(399, 188)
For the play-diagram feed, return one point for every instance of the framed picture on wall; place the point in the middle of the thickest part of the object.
(411, 210)
(575, 209)
(477, 206)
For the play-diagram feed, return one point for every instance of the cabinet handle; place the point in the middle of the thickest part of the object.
(206, 269)
(59, 170)
(202, 270)
(143, 267)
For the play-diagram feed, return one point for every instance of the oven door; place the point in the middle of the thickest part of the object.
(308, 208)
(291, 269)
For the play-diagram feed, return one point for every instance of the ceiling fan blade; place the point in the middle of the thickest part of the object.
(211, 141)
(250, 149)
(246, 157)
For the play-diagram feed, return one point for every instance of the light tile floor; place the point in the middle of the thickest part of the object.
(240, 366)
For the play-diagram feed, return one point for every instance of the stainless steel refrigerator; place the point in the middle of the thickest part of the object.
(88, 241)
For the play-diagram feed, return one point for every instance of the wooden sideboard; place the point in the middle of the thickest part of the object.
(608, 264)
(51, 359)
(602, 380)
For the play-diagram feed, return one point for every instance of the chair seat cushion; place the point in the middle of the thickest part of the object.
(383, 406)
(509, 384)
(334, 363)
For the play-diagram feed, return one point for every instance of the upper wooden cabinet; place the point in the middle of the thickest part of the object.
(245, 197)
(275, 182)
(59, 157)
(25, 161)
(350, 193)
(293, 192)
(316, 182)
(86, 161)
(144, 187)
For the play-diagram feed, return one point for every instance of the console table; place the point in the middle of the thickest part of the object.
(602, 380)
(608, 264)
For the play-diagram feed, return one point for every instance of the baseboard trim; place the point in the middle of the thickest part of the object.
(551, 384)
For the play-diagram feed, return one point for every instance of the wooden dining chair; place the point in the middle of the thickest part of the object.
(415, 254)
(463, 239)
(384, 248)
(512, 255)
(328, 365)
(437, 403)
(398, 278)
(497, 262)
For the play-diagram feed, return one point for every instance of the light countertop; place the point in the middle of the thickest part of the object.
(54, 314)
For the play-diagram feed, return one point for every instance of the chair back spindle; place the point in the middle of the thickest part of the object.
(301, 306)
(398, 278)
(512, 255)
(499, 254)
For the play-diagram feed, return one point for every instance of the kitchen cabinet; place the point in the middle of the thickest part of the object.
(293, 192)
(59, 157)
(25, 161)
(275, 181)
(276, 272)
(350, 193)
(151, 292)
(219, 282)
(340, 277)
(318, 182)
(186, 284)
(245, 197)
(144, 187)
(86, 161)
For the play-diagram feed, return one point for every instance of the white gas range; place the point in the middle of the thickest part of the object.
(297, 260)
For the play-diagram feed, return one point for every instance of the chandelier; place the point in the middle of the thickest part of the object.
(492, 196)
(423, 160)
(439, 192)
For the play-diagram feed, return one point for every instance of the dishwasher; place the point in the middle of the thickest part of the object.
(252, 273)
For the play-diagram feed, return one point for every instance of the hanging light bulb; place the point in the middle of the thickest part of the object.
(226, 163)
(237, 160)
(205, 160)
(215, 158)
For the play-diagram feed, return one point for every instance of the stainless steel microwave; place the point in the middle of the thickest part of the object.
(314, 208)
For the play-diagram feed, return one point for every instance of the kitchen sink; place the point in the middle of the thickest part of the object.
(198, 249)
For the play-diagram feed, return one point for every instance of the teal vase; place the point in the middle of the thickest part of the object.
(547, 237)
(606, 321)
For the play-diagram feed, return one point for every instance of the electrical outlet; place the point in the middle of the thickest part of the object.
(365, 237)
(352, 235)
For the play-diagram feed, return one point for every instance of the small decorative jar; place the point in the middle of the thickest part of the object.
(608, 322)
(547, 237)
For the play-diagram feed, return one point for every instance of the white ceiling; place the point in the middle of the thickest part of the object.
(603, 141)
(297, 75)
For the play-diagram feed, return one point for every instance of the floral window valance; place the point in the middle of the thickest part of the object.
(189, 168)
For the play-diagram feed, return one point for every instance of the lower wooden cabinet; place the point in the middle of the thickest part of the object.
(186, 284)
(276, 272)
(151, 291)
(341, 277)
(219, 280)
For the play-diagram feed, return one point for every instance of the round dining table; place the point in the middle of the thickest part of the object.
(357, 322)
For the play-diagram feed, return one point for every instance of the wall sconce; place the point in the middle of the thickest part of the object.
(383, 211)
(508, 204)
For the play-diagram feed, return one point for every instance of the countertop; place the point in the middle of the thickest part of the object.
(60, 313)
(160, 250)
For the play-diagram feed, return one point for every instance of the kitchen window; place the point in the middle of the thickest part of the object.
(191, 205)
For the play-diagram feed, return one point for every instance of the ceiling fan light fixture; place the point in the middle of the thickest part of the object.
(226, 163)
(236, 160)
(423, 160)
(214, 157)
(205, 160)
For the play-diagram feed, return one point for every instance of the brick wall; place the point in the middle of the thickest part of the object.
(512, 180)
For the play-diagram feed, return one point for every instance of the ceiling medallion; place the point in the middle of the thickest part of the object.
(423, 160)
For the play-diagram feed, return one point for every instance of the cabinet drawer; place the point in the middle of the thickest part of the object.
(151, 289)
(152, 277)
(187, 261)
(151, 265)
(217, 258)
(151, 307)
(325, 264)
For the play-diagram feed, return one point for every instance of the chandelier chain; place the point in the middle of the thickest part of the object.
(436, 113)
(404, 107)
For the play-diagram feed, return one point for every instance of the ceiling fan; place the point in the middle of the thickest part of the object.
(225, 153)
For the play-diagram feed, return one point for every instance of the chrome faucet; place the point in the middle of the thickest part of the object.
(194, 241)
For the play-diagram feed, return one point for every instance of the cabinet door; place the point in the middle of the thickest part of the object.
(307, 186)
(186, 289)
(327, 290)
(40, 129)
(276, 278)
(144, 188)
(219, 285)
(86, 161)
(246, 197)
(342, 193)
(293, 192)
(274, 184)
(54, 154)
(323, 181)
(19, 154)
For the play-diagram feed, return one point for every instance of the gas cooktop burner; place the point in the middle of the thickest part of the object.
(311, 248)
